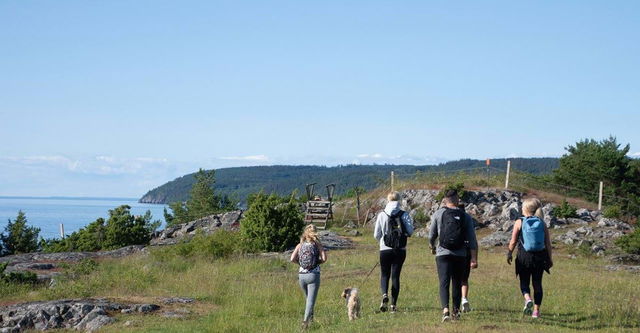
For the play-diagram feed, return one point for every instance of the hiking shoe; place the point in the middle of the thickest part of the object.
(446, 317)
(393, 309)
(528, 307)
(383, 305)
(305, 325)
(536, 314)
(465, 306)
(455, 315)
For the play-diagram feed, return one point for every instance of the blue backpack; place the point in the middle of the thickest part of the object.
(532, 233)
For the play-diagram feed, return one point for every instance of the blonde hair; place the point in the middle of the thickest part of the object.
(393, 196)
(532, 206)
(310, 234)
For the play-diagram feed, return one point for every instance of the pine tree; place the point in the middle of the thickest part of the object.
(19, 237)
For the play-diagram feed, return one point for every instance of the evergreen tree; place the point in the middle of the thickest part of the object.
(19, 237)
(202, 200)
(590, 161)
(271, 223)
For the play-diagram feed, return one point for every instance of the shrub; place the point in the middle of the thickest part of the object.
(564, 211)
(84, 267)
(458, 186)
(220, 244)
(121, 229)
(17, 277)
(630, 242)
(612, 212)
(421, 217)
(272, 223)
(19, 237)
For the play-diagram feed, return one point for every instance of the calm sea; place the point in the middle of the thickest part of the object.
(75, 213)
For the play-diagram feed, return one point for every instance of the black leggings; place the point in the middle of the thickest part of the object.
(390, 266)
(535, 276)
(450, 271)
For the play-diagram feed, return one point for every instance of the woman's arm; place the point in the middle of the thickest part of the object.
(294, 254)
(547, 242)
(377, 231)
(323, 254)
(514, 240)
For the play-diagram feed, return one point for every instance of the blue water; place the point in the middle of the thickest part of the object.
(74, 213)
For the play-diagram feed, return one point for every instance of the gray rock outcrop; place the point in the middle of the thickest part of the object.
(207, 225)
(85, 315)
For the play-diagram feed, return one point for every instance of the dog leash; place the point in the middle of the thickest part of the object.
(371, 271)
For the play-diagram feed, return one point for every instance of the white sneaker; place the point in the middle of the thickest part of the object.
(528, 307)
(465, 306)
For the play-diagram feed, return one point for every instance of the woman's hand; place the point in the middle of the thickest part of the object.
(509, 257)
(474, 264)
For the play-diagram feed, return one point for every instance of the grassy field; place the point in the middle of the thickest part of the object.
(243, 294)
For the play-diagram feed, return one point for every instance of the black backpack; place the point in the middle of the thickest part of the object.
(452, 235)
(395, 237)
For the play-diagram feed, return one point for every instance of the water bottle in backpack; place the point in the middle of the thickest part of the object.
(532, 234)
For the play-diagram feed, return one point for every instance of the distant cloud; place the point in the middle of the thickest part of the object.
(396, 159)
(98, 165)
(261, 158)
(636, 154)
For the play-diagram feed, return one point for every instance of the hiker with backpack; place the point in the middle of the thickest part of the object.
(393, 226)
(531, 235)
(309, 254)
(455, 234)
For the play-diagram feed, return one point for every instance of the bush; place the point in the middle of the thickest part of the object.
(612, 212)
(564, 211)
(421, 218)
(121, 229)
(220, 244)
(17, 277)
(630, 242)
(272, 223)
(84, 267)
(19, 237)
(458, 186)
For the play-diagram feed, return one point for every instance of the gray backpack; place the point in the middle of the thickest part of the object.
(308, 256)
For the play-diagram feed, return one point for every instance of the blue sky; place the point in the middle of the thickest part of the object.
(112, 98)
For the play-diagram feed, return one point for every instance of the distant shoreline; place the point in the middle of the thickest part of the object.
(67, 198)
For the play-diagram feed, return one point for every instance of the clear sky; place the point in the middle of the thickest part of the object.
(112, 98)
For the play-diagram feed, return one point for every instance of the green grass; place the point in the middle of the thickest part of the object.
(251, 294)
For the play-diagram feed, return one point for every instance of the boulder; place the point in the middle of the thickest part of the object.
(584, 214)
(497, 238)
(512, 212)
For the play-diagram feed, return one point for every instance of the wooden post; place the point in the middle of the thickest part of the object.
(506, 182)
(392, 181)
(61, 230)
(600, 196)
(358, 206)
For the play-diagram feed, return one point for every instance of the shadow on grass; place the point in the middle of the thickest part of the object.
(570, 320)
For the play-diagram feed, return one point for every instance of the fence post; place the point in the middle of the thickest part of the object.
(61, 230)
(506, 182)
(358, 206)
(392, 181)
(600, 196)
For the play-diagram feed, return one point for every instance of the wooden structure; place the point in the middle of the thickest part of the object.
(319, 210)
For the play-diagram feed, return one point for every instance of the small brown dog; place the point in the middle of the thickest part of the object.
(353, 302)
